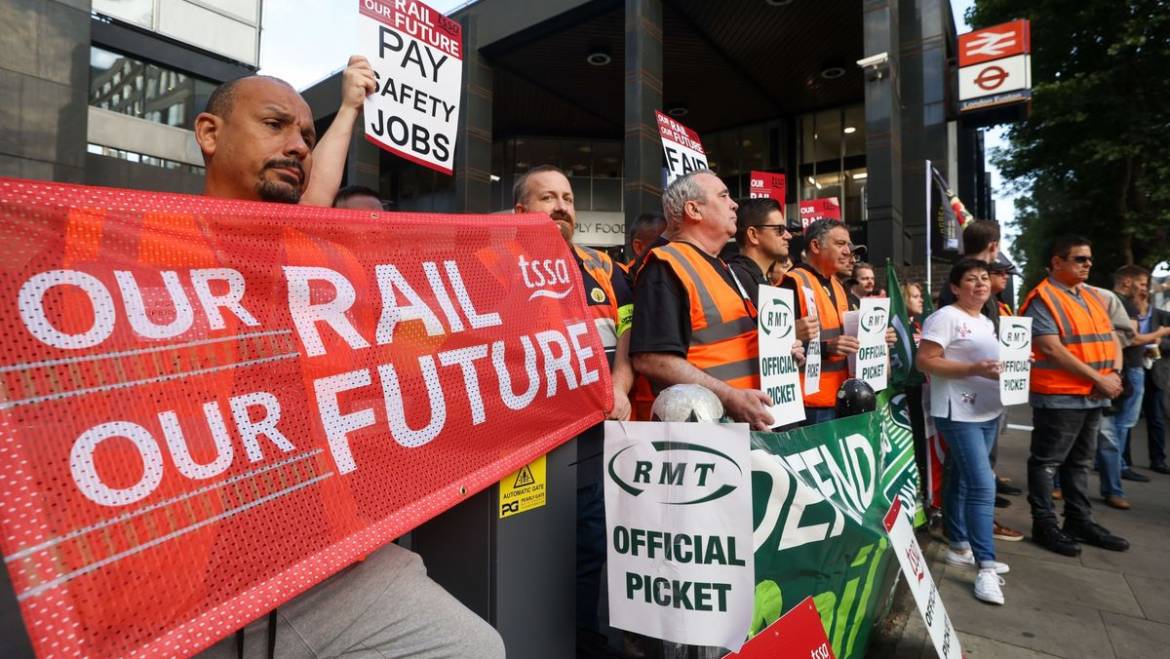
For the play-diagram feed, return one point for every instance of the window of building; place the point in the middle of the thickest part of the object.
(832, 159)
(131, 156)
(593, 166)
(126, 85)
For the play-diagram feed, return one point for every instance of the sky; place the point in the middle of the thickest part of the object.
(304, 41)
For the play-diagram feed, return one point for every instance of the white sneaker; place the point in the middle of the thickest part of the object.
(987, 584)
(967, 559)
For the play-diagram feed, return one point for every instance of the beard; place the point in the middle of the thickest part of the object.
(565, 225)
(279, 191)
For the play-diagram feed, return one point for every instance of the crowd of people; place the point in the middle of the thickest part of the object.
(682, 310)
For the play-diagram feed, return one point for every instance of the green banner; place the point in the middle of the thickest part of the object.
(818, 497)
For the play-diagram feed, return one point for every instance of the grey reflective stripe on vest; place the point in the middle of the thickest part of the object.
(723, 331)
(1090, 338)
(726, 372)
(716, 330)
(1061, 318)
(1068, 333)
(832, 366)
(593, 259)
(1049, 365)
(710, 311)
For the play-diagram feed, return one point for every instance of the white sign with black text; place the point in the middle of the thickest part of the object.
(678, 517)
(779, 372)
(681, 146)
(417, 56)
(1015, 359)
(812, 356)
(921, 584)
(868, 324)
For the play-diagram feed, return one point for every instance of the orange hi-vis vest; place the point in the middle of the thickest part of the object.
(602, 301)
(1087, 333)
(834, 368)
(1004, 309)
(724, 344)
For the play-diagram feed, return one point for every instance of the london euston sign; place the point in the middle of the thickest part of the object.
(995, 66)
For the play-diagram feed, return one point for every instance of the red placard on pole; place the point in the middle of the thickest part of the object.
(797, 634)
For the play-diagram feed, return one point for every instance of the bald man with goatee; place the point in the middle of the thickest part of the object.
(259, 144)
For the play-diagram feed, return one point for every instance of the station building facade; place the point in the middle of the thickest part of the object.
(105, 92)
(770, 85)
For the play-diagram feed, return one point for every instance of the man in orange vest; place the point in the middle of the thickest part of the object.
(546, 189)
(1075, 374)
(828, 252)
(692, 321)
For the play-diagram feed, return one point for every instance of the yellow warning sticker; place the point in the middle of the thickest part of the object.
(523, 490)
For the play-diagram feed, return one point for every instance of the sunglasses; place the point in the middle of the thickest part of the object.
(781, 229)
(1081, 259)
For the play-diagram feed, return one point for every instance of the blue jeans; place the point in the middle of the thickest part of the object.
(969, 495)
(1115, 433)
(1155, 424)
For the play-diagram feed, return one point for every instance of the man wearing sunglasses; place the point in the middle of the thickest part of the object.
(1075, 375)
(762, 236)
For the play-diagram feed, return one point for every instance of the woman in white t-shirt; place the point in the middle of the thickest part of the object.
(960, 353)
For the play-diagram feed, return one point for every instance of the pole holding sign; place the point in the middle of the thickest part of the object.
(417, 55)
(1015, 358)
(779, 372)
(914, 568)
(681, 146)
(812, 355)
(678, 514)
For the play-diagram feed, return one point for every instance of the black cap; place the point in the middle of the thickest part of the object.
(1003, 268)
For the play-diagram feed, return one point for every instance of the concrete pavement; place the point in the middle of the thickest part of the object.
(1100, 605)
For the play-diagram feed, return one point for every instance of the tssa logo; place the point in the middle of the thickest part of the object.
(874, 320)
(669, 470)
(546, 276)
(777, 315)
(1015, 337)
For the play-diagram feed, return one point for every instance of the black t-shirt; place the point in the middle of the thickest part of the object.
(1131, 357)
(749, 274)
(662, 310)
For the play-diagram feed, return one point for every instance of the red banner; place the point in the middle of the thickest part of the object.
(812, 210)
(209, 406)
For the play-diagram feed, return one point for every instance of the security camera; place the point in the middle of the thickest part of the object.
(874, 61)
(875, 66)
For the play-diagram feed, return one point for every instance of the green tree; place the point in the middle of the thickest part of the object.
(1093, 158)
